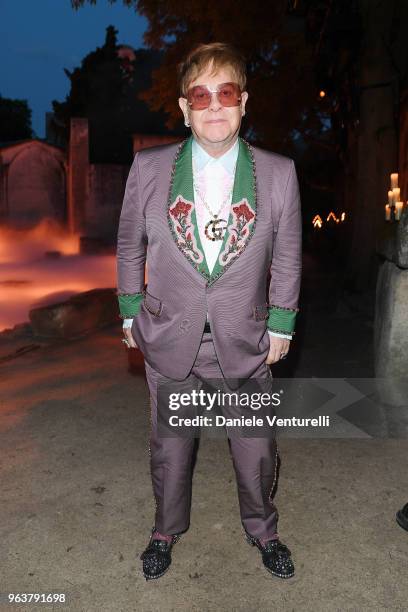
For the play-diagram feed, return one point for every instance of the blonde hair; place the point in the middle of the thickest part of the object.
(217, 55)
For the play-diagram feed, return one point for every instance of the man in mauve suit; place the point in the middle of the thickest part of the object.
(210, 218)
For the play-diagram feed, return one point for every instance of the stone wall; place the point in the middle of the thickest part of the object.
(106, 189)
(95, 191)
(39, 180)
(145, 141)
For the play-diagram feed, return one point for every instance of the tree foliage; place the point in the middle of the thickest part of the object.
(105, 88)
(279, 61)
(15, 120)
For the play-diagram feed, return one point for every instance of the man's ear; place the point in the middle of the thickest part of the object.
(184, 107)
(244, 98)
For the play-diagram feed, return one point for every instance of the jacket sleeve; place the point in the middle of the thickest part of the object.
(131, 246)
(286, 266)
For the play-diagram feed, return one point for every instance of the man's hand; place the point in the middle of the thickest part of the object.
(127, 332)
(277, 347)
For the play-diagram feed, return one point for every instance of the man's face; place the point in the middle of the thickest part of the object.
(217, 123)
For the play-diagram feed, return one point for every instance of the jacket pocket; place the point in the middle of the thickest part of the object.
(152, 304)
(260, 313)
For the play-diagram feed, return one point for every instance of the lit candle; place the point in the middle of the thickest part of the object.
(398, 210)
(397, 192)
(387, 212)
(390, 198)
(394, 180)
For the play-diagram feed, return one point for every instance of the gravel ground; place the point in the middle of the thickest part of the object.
(77, 503)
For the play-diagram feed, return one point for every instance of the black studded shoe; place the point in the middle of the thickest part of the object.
(276, 557)
(157, 557)
(402, 517)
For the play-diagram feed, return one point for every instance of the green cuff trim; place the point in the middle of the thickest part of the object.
(281, 319)
(129, 304)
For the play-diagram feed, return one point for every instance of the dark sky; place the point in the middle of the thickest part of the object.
(39, 38)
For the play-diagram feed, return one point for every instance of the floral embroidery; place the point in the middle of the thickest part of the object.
(181, 209)
(180, 212)
(243, 212)
(239, 231)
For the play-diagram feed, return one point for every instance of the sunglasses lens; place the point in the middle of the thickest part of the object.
(229, 94)
(199, 97)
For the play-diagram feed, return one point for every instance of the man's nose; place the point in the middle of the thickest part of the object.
(215, 103)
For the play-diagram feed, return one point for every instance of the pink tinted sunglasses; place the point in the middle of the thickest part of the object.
(199, 97)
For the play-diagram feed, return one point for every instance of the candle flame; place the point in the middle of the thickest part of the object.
(317, 221)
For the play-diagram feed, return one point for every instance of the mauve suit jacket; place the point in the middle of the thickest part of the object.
(169, 326)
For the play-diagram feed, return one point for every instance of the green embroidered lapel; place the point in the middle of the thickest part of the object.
(242, 217)
(182, 217)
(181, 209)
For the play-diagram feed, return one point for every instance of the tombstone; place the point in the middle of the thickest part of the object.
(80, 314)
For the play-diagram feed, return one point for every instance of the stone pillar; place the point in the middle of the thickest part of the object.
(78, 174)
(4, 205)
(391, 311)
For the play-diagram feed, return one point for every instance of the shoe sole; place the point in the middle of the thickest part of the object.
(284, 576)
(401, 520)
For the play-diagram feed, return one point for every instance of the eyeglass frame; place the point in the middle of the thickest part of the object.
(216, 91)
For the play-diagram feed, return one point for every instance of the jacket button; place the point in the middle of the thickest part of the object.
(185, 324)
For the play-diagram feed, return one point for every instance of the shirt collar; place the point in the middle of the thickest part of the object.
(202, 158)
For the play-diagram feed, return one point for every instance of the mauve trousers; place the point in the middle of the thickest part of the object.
(254, 460)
